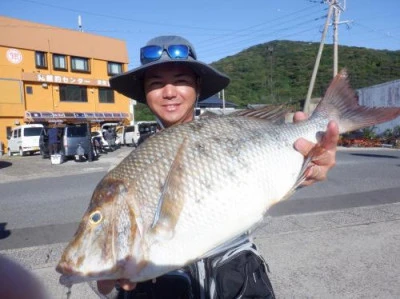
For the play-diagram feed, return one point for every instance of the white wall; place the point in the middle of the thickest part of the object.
(382, 95)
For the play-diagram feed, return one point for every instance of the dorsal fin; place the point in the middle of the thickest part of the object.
(274, 114)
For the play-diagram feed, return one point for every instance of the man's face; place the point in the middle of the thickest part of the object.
(171, 93)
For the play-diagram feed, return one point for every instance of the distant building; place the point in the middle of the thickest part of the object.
(214, 106)
(50, 74)
(382, 95)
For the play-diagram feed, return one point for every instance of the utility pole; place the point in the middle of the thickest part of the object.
(336, 15)
(316, 65)
(271, 82)
(223, 101)
(336, 8)
(132, 105)
(80, 23)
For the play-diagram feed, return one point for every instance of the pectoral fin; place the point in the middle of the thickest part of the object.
(171, 199)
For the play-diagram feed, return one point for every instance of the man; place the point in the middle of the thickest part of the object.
(54, 141)
(170, 81)
(109, 137)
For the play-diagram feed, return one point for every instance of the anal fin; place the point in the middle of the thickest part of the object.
(316, 151)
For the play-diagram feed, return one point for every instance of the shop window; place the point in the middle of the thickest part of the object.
(106, 95)
(17, 133)
(114, 68)
(29, 90)
(59, 62)
(8, 131)
(73, 93)
(41, 60)
(79, 64)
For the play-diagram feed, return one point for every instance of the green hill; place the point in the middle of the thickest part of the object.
(280, 71)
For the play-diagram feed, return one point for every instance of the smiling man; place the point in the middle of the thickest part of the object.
(171, 93)
(170, 81)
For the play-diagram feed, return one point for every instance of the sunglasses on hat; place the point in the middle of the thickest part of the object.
(153, 53)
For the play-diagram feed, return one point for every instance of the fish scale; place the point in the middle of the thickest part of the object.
(193, 187)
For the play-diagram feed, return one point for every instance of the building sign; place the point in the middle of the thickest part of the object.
(14, 56)
(45, 116)
(49, 78)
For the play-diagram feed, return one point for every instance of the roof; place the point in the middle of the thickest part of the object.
(215, 102)
(39, 37)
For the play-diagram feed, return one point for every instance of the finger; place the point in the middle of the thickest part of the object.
(126, 284)
(323, 154)
(321, 162)
(299, 116)
(329, 142)
(303, 146)
(331, 136)
(318, 173)
(315, 173)
(308, 181)
(105, 286)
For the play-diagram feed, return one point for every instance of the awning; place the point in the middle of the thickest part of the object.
(74, 117)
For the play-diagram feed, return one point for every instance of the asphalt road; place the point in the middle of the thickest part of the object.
(357, 171)
(42, 203)
(335, 239)
(47, 209)
(45, 201)
(361, 177)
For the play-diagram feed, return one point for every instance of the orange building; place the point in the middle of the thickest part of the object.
(49, 74)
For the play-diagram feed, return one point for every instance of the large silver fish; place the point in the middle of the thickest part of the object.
(193, 187)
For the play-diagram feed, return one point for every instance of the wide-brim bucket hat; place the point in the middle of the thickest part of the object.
(131, 83)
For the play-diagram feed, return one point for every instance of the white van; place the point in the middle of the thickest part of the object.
(132, 133)
(24, 139)
(115, 126)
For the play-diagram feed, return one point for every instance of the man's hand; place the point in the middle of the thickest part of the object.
(106, 286)
(321, 163)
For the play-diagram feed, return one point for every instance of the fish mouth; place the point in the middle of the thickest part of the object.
(69, 276)
(64, 268)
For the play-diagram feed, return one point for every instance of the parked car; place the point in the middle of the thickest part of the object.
(24, 139)
(120, 130)
(98, 141)
(73, 137)
(132, 133)
(114, 126)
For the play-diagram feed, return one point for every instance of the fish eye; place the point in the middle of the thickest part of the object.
(95, 217)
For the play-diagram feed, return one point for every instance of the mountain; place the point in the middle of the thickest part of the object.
(280, 71)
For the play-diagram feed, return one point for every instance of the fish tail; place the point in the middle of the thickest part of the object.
(340, 104)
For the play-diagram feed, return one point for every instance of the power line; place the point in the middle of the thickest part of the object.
(246, 29)
(239, 43)
(268, 30)
(239, 48)
(122, 18)
(257, 30)
(377, 31)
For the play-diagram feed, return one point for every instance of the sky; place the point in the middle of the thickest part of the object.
(217, 28)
